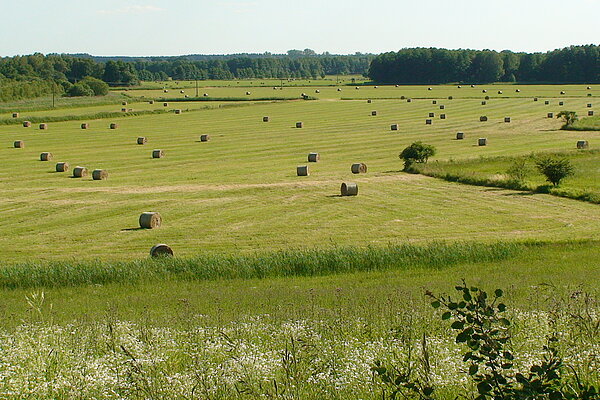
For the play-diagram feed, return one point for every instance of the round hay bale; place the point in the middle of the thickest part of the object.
(589, 88)
(563, 92)
(487, 97)
(266, 119)
(313, 157)
(373, 113)
(302, 170)
(113, 126)
(299, 125)
(434, 102)
(459, 86)
(247, 93)
(590, 113)
(518, 91)
(472, 86)
(483, 118)
(482, 142)
(561, 103)
(165, 91)
(357, 88)
(374, 87)
(99, 174)
(165, 104)
(442, 107)
(589, 105)
(547, 102)
(141, 140)
(442, 116)
(428, 122)
(535, 99)
(158, 153)
(205, 95)
(460, 135)
(499, 91)
(402, 97)
(19, 144)
(450, 97)
(431, 115)
(483, 103)
(150, 220)
(317, 91)
(582, 144)
(589, 95)
(46, 156)
(339, 89)
(429, 88)
(484, 91)
(409, 100)
(79, 172)
(15, 115)
(369, 101)
(85, 125)
(182, 91)
(62, 167)
(358, 168)
(507, 119)
(204, 138)
(397, 86)
(43, 126)
(161, 250)
(26, 124)
(550, 115)
(178, 111)
(349, 189)
(124, 103)
(394, 127)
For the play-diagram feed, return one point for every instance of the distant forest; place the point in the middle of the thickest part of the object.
(38, 74)
(575, 64)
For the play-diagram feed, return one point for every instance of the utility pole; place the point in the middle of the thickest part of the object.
(196, 84)
(53, 88)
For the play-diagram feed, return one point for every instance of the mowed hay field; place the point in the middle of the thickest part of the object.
(239, 191)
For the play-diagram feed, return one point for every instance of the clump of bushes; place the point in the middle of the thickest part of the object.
(418, 152)
(88, 86)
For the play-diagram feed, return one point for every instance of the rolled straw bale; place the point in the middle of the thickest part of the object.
(151, 102)
(124, 103)
(19, 144)
(506, 119)
(43, 126)
(178, 111)
(561, 103)
(431, 115)
(428, 122)
(359, 168)
(369, 101)
(204, 138)
(113, 126)
(460, 135)
(15, 115)
(247, 93)
(535, 99)
(590, 113)
(99, 174)
(158, 153)
(349, 189)
(442, 107)
(313, 157)
(165, 91)
(317, 91)
(357, 88)
(165, 104)
(550, 115)
(442, 116)
(582, 144)
(150, 220)
(562, 92)
(518, 91)
(302, 170)
(459, 86)
(589, 105)
(482, 142)
(589, 88)
(141, 140)
(394, 127)
(434, 102)
(26, 124)
(161, 250)
(373, 113)
(409, 100)
(450, 97)
(487, 97)
(402, 97)
(182, 91)
(484, 91)
(123, 110)
(374, 87)
(429, 88)
(483, 103)
(472, 86)
(80, 172)
(299, 125)
(62, 167)
(547, 102)
(483, 118)
(266, 119)
(205, 95)
(85, 125)
(499, 91)
(397, 86)
(339, 89)
(46, 156)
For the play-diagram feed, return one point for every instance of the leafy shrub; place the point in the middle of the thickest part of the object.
(99, 87)
(80, 89)
(417, 152)
(554, 169)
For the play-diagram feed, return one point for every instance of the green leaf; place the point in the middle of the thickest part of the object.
(498, 293)
(427, 391)
(483, 387)
(446, 315)
(504, 322)
(501, 307)
(436, 304)
(457, 325)
(473, 369)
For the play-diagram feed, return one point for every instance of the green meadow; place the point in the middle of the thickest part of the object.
(280, 287)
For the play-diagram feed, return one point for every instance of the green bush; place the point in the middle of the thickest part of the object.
(80, 89)
(417, 152)
(554, 169)
(99, 87)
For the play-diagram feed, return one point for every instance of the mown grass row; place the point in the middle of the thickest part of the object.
(208, 98)
(585, 124)
(284, 263)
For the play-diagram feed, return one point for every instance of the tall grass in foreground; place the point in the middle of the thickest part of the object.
(285, 263)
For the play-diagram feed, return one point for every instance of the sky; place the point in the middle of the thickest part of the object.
(179, 27)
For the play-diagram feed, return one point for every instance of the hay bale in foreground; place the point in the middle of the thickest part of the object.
(339, 89)
(15, 115)
(141, 140)
(205, 95)
(19, 144)
(359, 168)
(482, 142)
(349, 189)
(46, 156)
(204, 138)
(483, 118)
(459, 87)
(62, 167)
(313, 157)
(26, 124)
(161, 250)
(80, 172)
(484, 91)
(550, 115)
(150, 220)
(302, 170)
(85, 125)
(394, 127)
(266, 119)
(182, 91)
(113, 126)
(158, 153)
(429, 88)
(43, 126)
(317, 91)
(99, 174)
(299, 124)
(582, 144)
(507, 119)
(518, 91)
(460, 135)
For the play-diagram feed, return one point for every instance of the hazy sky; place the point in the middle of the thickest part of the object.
(175, 27)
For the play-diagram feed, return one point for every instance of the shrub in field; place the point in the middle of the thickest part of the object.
(80, 89)
(99, 87)
(417, 152)
(554, 169)
(569, 117)
(518, 170)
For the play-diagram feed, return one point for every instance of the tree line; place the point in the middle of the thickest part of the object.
(574, 64)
